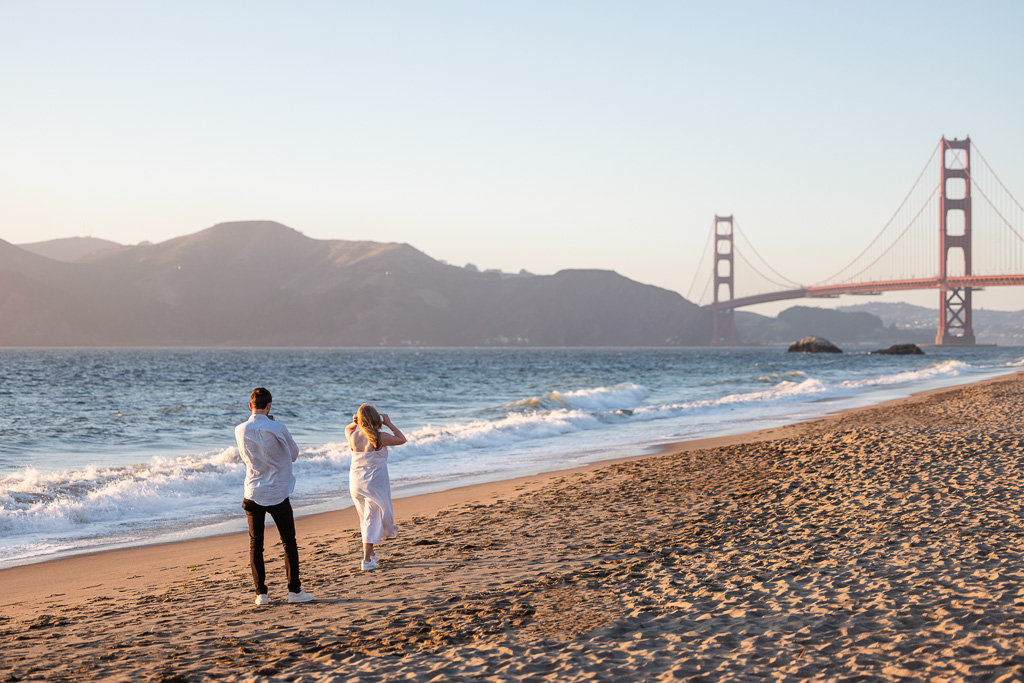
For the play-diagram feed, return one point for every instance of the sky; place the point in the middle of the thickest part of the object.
(536, 135)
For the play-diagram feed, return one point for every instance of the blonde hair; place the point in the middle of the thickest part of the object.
(368, 419)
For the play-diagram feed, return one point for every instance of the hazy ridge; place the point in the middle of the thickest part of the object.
(69, 248)
(261, 283)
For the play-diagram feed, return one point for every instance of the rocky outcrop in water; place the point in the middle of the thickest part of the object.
(902, 350)
(814, 345)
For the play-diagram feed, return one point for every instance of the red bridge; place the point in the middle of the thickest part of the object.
(936, 217)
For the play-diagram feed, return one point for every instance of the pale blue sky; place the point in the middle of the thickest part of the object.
(536, 135)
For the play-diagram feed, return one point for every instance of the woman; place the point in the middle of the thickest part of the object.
(368, 480)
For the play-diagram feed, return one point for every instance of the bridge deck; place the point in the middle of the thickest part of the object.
(973, 281)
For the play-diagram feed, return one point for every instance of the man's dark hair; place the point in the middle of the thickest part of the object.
(260, 398)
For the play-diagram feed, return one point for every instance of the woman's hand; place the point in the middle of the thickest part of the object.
(395, 439)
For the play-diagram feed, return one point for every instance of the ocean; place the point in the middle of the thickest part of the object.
(111, 448)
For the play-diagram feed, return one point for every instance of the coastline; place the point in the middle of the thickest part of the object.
(93, 573)
(91, 569)
(582, 541)
(68, 496)
(443, 492)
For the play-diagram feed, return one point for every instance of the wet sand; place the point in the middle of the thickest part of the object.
(881, 544)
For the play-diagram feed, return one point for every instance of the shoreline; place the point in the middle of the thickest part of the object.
(90, 570)
(85, 568)
(44, 529)
(878, 543)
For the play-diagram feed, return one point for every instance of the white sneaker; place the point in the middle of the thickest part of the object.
(262, 599)
(369, 566)
(301, 596)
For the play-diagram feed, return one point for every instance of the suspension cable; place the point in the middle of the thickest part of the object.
(763, 276)
(990, 203)
(898, 238)
(895, 214)
(1009, 194)
(707, 284)
(753, 249)
(696, 271)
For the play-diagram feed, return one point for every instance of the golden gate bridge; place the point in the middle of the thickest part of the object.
(958, 230)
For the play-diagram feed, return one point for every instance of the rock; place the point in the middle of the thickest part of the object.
(814, 345)
(901, 350)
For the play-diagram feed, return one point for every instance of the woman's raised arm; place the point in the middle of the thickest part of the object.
(396, 439)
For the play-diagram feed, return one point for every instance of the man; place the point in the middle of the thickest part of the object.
(268, 450)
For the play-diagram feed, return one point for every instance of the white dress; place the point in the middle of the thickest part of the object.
(370, 486)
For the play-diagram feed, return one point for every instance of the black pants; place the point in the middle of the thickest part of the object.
(282, 514)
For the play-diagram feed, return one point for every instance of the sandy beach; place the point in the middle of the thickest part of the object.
(881, 544)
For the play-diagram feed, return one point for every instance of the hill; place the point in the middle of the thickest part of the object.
(69, 248)
(873, 324)
(849, 328)
(260, 283)
(1005, 328)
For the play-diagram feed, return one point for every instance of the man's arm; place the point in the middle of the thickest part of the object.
(289, 443)
(240, 440)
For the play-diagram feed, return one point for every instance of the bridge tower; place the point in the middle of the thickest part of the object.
(955, 234)
(723, 322)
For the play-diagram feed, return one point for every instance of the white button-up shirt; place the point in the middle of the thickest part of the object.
(268, 450)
